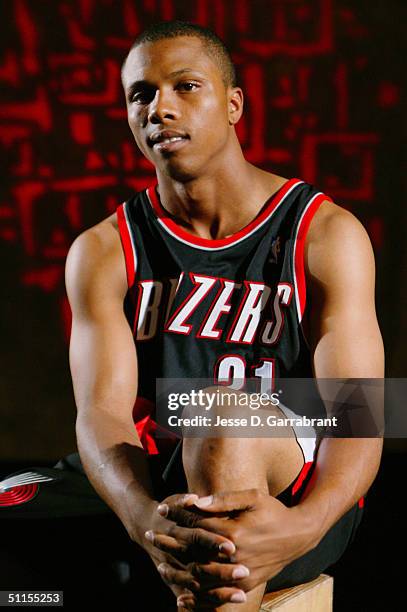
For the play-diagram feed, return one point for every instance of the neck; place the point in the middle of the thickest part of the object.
(218, 203)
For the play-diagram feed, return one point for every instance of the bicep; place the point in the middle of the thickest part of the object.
(345, 337)
(103, 363)
(102, 353)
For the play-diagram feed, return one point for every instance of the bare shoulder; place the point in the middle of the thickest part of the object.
(272, 182)
(96, 259)
(337, 241)
(98, 244)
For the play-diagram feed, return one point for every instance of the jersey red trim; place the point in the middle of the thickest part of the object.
(301, 477)
(127, 245)
(300, 284)
(153, 436)
(185, 236)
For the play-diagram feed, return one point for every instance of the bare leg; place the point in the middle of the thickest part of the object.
(219, 464)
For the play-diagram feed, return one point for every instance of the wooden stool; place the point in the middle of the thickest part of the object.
(315, 596)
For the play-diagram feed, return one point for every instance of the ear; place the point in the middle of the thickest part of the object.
(235, 104)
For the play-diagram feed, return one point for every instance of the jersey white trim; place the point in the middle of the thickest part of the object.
(307, 444)
(228, 246)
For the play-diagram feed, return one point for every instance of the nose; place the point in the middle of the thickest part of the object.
(163, 107)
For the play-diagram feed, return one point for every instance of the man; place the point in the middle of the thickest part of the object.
(220, 271)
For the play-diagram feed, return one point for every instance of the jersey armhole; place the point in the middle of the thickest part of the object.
(299, 245)
(127, 244)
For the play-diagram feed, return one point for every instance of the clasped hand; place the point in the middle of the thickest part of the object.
(227, 544)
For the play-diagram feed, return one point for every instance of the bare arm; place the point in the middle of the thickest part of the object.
(104, 372)
(346, 343)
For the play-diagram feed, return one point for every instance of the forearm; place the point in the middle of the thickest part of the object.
(116, 465)
(344, 471)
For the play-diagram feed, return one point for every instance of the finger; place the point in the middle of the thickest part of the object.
(209, 599)
(203, 542)
(182, 608)
(182, 502)
(181, 578)
(228, 501)
(182, 514)
(183, 552)
(217, 573)
(224, 529)
(213, 539)
(171, 546)
(190, 603)
(186, 601)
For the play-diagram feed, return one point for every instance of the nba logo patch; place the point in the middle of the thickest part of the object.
(275, 250)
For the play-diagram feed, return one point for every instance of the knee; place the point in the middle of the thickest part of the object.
(216, 464)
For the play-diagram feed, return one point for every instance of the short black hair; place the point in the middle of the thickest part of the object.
(212, 43)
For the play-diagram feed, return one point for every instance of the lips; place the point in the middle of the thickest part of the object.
(165, 139)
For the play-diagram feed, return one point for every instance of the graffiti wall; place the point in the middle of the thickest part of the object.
(322, 102)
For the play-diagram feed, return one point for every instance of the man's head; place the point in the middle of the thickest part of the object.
(180, 84)
(212, 44)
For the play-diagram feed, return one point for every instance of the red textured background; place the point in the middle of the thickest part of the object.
(322, 80)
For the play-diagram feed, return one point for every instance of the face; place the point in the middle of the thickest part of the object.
(179, 109)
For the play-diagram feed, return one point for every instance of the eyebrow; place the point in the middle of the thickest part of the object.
(181, 71)
(143, 83)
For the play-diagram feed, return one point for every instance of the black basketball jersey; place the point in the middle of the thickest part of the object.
(217, 309)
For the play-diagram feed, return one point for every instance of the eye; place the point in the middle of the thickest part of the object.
(188, 86)
(142, 96)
